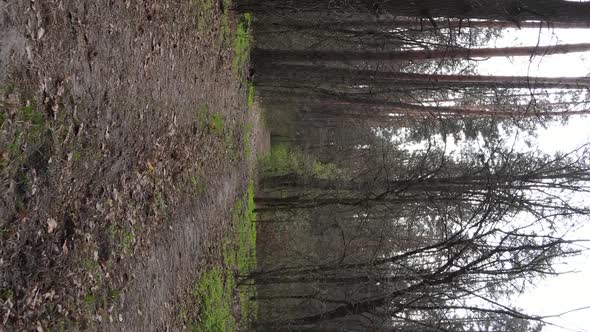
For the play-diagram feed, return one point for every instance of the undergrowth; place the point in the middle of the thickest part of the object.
(285, 159)
(215, 288)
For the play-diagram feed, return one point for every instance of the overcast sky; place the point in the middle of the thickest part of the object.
(569, 291)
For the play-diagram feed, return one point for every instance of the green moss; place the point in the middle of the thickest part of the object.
(214, 296)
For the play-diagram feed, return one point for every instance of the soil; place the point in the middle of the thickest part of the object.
(108, 219)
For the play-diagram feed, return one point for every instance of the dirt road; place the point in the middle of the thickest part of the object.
(122, 145)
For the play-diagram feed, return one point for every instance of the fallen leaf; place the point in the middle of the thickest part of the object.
(51, 225)
(40, 33)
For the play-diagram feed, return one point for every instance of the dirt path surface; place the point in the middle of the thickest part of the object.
(170, 266)
(122, 140)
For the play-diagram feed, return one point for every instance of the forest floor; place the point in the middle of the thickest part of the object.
(127, 143)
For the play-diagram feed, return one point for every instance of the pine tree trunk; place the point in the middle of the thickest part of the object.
(275, 56)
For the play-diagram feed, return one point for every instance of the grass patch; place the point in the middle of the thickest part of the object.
(26, 141)
(122, 239)
(250, 96)
(246, 232)
(216, 124)
(245, 251)
(225, 26)
(215, 299)
(127, 241)
(24, 134)
(204, 13)
(90, 265)
(247, 139)
(208, 121)
(285, 159)
(90, 299)
(6, 294)
(215, 288)
(242, 43)
(202, 115)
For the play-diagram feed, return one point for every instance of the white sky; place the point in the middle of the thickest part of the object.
(558, 65)
(570, 291)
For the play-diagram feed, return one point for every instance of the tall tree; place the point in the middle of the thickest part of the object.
(510, 10)
(415, 55)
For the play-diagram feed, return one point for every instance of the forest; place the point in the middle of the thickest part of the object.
(294, 165)
(404, 190)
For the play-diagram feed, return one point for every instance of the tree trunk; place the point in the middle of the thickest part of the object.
(386, 25)
(293, 74)
(276, 55)
(507, 10)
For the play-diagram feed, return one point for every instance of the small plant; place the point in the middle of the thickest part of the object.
(127, 241)
(208, 121)
(90, 299)
(216, 124)
(6, 294)
(90, 265)
(114, 295)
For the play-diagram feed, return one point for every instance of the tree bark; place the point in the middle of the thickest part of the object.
(507, 10)
(386, 25)
(292, 74)
(278, 55)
